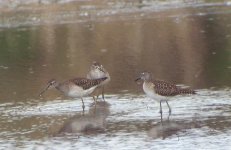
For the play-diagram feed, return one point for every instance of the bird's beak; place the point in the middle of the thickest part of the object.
(40, 94)
(137, 79)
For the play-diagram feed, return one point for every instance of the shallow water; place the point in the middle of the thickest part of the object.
(187, 43)
(125, 122)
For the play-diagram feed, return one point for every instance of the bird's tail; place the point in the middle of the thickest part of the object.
(102, 79)
(187, 91)
(98, 81)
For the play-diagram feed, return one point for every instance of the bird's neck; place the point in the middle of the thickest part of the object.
(57, 85)
(147, 80)
(145, 83)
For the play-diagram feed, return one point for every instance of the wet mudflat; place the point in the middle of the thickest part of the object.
(124, 122)
(187, 43)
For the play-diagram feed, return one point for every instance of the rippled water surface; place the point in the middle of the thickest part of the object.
(126, 122)
(184, 42)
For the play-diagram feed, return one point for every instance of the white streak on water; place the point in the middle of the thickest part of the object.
(131, 118)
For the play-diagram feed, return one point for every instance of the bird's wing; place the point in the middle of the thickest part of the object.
(87, 83)
(164, 88)
(82, 82)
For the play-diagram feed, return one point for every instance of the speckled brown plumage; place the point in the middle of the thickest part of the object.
(167, 89)
(75, 88)
(87, 83)
(161, 90)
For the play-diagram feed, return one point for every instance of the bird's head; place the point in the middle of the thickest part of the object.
(145, 76)
(97, 66)
(50, 85)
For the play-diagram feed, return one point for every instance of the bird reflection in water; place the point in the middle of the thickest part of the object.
(167, 128)
(92, 122)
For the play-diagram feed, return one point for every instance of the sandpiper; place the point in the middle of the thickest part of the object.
(75, 88)
(97, 71)
(161, 90)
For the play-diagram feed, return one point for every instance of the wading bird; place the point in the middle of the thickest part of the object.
(161, 90)
(97, 71)
(75, 88)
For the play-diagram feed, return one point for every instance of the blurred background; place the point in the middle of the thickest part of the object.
(183, 42)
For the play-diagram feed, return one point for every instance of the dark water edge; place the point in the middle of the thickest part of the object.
(36, 12)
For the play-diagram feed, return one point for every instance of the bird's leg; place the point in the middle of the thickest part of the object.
(83, 106)
(161, 118)
(103, 93)
(169, 108)
(160, 108)
(97, 97)
(94, 100)
(169, 116)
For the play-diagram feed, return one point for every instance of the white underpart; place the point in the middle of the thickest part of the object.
(77, 92)
(97, 74)
(151, 93)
